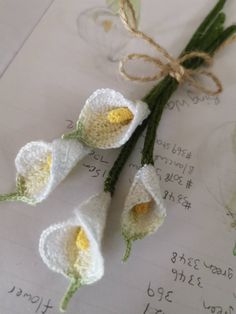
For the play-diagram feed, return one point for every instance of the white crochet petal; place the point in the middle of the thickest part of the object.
(145, 188)
(57, 246)
(57, 243)
(91, 216)
(65, 155)
(30, 154)
(94, 128)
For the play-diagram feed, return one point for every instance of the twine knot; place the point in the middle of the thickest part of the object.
(173, 67)
(176, 70)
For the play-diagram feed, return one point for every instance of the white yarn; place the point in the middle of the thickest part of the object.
(65, 154)
(96, 131)
(145, 188)
(57, 243)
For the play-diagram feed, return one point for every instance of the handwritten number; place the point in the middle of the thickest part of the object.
(230, 273)
(97, 173)
(190, 259)
(150, 291)
(161, 292)
(199, 282)
(196, 261)
(167, 297)
(174, 271)
(12, 290)
(182, 259)
(191, 280)
(173, 259)
(147, 307)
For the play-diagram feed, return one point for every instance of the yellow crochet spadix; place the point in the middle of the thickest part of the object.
(107, 25)
(120, 115)
(142, 209)
(82, 242)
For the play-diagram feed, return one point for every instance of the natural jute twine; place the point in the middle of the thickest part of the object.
(172, 67)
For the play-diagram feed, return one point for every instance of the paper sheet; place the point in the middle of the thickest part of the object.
(187, 267)
(17, 23)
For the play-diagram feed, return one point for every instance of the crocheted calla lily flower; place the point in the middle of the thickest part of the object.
(108, 119)
(42, 166)
(73, 248)
(144, 211)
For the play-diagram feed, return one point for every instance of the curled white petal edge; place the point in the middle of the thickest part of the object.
(65, 155)
(57, 258)
(56, 262)
(139, 109)
(148, 178)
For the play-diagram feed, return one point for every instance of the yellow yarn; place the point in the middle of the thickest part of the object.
(38, 175)
(46, 167)
(142, 209)
(120, 115)
(82, 241)
(107, 25)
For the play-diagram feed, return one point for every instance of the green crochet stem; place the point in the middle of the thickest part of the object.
(234, 250)
(149, 143)
(72, 135)
(75, 284)
(147, 154)
(209, 36)
(9, 197)
(129, 242)
(15, 196)
(204, 26)
(75, 134)
(215, 29)
(128, 250)
(19, 195)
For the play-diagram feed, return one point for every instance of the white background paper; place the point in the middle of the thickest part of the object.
(47, 84)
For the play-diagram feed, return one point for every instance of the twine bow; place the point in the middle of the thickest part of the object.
(173, 67)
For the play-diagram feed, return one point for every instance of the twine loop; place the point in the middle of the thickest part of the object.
(171, 66)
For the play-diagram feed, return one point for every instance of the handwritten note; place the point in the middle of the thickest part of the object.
(187, 267)
(37, 302)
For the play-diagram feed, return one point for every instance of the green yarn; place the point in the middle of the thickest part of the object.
(75, 284)
(204, 27)
(214, 31)
(9, 197)
(19, 195)
(208, 37)
(113, 176)
(149, 143)
(71, 135)
(15, 196)
(224, 36)
(147, 154)
(129, 241)
(75, 134)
